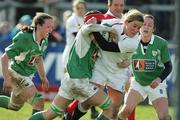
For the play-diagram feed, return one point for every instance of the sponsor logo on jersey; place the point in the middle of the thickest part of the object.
(146, 65)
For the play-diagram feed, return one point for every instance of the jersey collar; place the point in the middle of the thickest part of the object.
(152, 39)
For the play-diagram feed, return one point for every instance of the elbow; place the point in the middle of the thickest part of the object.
(170, 68)
(4, 59)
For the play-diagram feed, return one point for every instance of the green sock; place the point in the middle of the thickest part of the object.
(4, 101)
(101, 117)
(37, 116)
(34, 111)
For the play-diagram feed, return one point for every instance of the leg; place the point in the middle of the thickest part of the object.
(37, 102)
(57, 108)
(17, 101)
(94, 112)
(161, 107)
(101, 100)
(116, 97)
(133, 98)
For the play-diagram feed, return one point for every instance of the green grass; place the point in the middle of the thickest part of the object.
(142, 113)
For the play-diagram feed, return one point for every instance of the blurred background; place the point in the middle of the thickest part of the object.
(14, 13)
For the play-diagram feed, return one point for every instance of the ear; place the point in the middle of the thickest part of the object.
(125, 23)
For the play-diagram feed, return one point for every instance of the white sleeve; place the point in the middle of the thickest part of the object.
(86, 29)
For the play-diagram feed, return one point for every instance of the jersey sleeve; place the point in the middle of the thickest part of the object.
(165, 56)
(18, 45)
(86, 29)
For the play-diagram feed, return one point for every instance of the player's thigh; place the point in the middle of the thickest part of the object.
(116, 96)
(25, 94)
(61, 102)
(98, 98)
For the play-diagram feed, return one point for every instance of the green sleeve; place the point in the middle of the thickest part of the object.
(18, 45)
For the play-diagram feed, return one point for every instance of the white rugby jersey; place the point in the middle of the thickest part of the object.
(127, 46)
(72, 25)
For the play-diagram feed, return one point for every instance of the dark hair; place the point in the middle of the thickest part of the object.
(93, 12)
(151, 17)
(111, 1)
(27, 29)
(40, 18)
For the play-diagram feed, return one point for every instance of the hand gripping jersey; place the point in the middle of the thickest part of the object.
(127, 46)
(80, 62)
(24, 53)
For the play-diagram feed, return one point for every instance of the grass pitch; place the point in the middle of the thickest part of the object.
(143, 112)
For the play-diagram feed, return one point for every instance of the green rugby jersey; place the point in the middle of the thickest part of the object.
(148, 66)
(24, 53)
(81, 61)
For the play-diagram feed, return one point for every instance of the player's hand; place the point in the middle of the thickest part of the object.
(114, 35)
(92, 20)
(45, 84)
(155, 83)
(124, 64)
(7, 86)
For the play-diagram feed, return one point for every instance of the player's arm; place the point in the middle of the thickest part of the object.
(104, 44)
(7, 81)
(42, 74)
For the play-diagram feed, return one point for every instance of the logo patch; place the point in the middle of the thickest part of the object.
(154, 53)
(144, 65)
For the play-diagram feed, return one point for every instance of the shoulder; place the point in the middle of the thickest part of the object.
(23, 37)
(71, 19)
(160, 39)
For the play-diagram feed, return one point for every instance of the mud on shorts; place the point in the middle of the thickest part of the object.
(80, 89)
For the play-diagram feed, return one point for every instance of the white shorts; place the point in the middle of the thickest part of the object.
(80, 89)
(19, 82)
(147, 91)
(115, 80)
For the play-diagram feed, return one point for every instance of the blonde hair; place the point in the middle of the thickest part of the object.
(76, 2)
(133, 15)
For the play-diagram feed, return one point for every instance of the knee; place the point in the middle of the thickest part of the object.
(15, 107)
(37, 101)
(115, 110)
(125, 112)
(164, 117)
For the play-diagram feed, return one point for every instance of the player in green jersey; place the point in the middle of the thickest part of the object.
(21, 60)
(150, 65)
(76, 84)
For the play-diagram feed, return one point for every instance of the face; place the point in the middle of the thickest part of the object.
(148, 27)
(117, 7)
(80, 9)
(46, 28)
(132, 28)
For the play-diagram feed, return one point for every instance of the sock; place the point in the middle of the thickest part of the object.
(72, 106)
(93, 109)
(37, 116)
(78, 112)
(101, 117)
(4, 101)
(34, 111)
(94, 112)
(132, 116)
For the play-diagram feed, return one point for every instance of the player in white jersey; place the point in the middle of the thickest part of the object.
(108, 70)
(73, 25)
